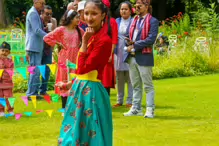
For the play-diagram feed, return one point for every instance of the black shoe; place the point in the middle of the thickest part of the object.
(37, 98)
(29, 98)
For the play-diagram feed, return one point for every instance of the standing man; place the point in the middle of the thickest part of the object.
(73, 5)
(34, 45)
(139, 54)
(49, 25)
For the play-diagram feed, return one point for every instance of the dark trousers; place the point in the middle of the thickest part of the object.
(46, 59)
(64, 101)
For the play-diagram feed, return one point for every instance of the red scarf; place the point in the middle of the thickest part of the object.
(144, 32)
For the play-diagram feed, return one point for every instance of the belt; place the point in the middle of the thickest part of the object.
(90, 76)
(131, 55)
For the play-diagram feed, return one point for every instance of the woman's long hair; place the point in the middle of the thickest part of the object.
(66, 20)
(105, 10)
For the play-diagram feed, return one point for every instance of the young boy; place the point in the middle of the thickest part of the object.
(6, 84)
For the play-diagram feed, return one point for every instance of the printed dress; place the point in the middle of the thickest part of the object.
(88, 115)
(71, 42)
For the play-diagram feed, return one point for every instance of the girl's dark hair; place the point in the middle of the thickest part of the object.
(65, 21)
(129, 5)
(105, 10)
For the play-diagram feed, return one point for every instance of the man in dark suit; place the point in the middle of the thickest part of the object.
(49, 25)
(142, 34)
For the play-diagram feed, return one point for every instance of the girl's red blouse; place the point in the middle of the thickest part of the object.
(97, 55)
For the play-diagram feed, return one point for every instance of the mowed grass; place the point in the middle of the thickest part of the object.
(187, 114)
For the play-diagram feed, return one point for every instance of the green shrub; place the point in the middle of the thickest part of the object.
(21, 84)
(183, 62)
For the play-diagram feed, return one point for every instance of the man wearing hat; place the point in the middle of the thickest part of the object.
(6, 84)
(80, 10)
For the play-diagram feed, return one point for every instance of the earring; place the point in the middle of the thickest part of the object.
(102, 23)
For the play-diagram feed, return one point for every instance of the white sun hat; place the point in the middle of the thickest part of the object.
(81, 5)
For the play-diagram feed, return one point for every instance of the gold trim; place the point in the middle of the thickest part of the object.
(90, 76)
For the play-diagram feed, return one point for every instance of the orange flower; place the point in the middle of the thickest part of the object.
(204, 33)
(174, 21)
(15, 25)
(179, 36)
(186, 33)
(174, 31)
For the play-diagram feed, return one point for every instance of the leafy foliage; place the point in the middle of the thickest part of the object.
(206, 18)
(16, 7)
(21, 85)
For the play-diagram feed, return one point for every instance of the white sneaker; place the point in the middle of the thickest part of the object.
(2, 114)
(11, 113)
(149, 113)
(63, 114)
(133, 113)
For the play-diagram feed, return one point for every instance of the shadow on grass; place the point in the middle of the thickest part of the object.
(123, 108)
(177, 117)
(164, 107)
(161, 107)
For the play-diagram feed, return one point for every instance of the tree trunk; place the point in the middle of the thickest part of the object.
(3, 20)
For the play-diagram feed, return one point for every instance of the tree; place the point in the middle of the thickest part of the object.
(3, 20)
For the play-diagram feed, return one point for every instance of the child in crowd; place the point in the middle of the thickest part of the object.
(163, 45)
(69, 37)
(6, 84)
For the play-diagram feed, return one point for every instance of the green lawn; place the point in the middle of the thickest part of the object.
(187, 114)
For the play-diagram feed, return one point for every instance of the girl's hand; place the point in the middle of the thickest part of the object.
(87, 35)
(110, 59)
(59, 84)
(60, 46)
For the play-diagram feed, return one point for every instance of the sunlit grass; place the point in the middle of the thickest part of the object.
(187, 114)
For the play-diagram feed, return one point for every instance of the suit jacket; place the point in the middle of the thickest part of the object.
(144, 59)
(34, 31)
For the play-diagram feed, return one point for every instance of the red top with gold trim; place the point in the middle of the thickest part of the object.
(97, 55)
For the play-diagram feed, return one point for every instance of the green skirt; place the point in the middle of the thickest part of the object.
(88, 116)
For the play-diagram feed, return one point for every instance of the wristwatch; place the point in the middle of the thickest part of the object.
(125, 48)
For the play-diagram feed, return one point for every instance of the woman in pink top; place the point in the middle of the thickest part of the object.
(68, 36)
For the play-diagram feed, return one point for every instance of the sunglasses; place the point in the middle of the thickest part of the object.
(48, 14)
